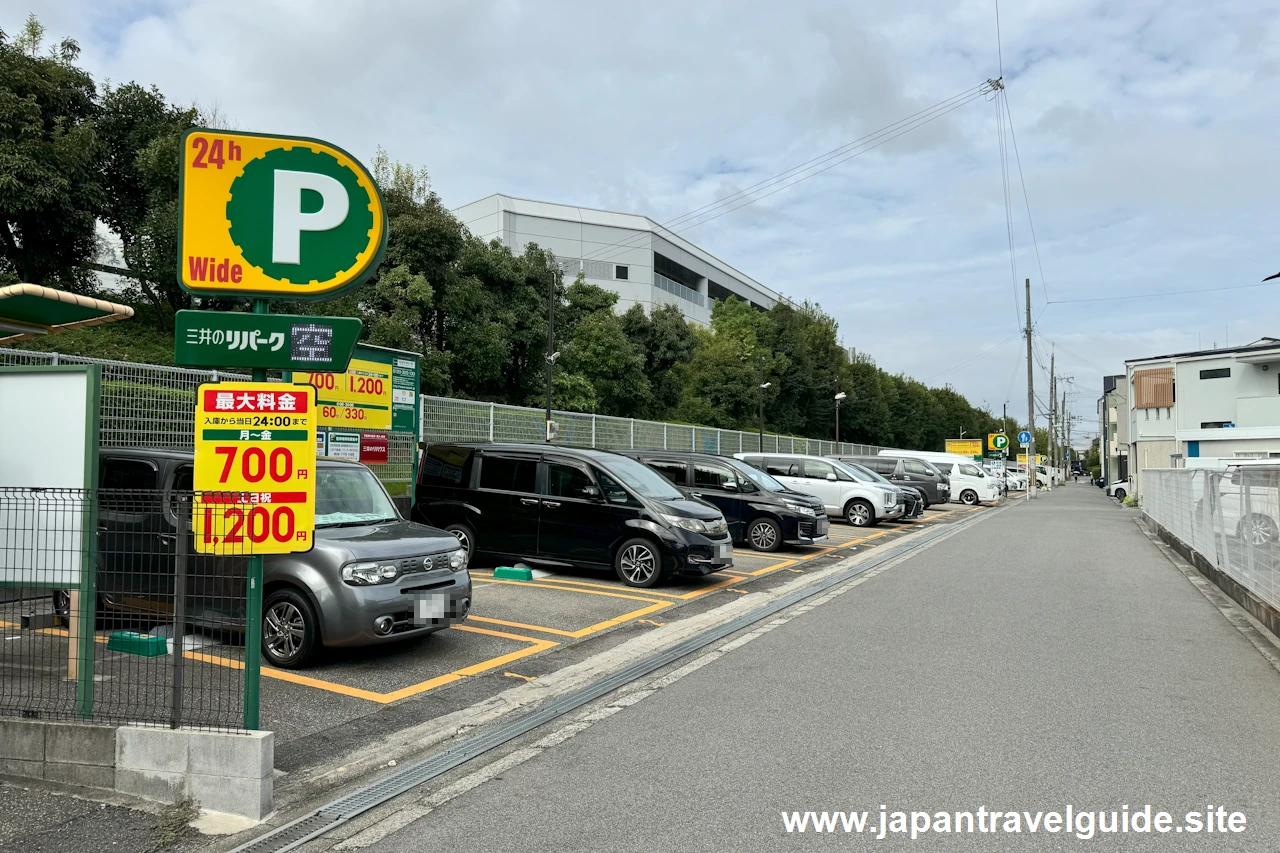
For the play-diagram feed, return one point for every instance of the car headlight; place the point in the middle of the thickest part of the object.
(683, 523)
(458, 559)
(369, 574)
(800, 508)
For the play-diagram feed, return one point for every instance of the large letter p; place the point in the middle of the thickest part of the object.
(288, 220)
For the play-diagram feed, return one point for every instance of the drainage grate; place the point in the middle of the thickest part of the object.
(328, 817)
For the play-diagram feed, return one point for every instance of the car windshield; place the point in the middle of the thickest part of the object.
(756, 476)
(852, 471)
(863, 469)
(640, 478)
(349, 496)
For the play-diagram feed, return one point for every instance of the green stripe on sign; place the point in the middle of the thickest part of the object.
(352, 405)
(237, 434)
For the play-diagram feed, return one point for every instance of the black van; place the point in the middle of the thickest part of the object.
(917, 473)
(563, 506)
(759, 510)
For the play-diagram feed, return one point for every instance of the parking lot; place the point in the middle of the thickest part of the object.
(519, 630)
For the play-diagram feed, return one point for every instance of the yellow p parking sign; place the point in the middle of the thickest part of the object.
(255, 466)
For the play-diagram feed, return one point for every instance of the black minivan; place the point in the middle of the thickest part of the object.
(563, 506)
(916, 473)
(759, 510)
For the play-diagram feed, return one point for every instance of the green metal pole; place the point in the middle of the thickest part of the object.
(253, 602)
(87, 648)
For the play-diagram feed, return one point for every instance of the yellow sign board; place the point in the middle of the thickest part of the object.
(255, 466)
(274, 216)
(1022, 459)
(965, 446)
(358, 399)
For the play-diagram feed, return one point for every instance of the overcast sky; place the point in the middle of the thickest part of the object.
(1147, 131)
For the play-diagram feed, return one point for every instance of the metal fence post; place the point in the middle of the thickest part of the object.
(633, 433)
(593, 430)
(664, 436)
(718, 453)
(491, 415)
(179, 613)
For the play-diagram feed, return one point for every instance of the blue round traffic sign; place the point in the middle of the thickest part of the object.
(1024, 437)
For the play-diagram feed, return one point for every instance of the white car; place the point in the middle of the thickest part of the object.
(1119, 489)
(845, 492)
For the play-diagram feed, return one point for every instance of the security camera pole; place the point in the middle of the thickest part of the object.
(763, 385)
(840, 396)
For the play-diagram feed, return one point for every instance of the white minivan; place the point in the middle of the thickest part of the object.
(969, 483)
(845, 492)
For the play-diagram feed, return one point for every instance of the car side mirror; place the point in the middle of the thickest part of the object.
(592, 492)
(831, 478)
(729, 487)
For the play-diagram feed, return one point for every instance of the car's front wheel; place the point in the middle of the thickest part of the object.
(638, 563)
(290, 629)
(765, 534)
(860, 513)
(969, 497)
(1120, 494)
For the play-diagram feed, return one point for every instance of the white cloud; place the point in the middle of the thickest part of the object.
(1146, 132)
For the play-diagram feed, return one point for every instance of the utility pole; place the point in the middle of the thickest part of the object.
(1004, 419)
(1031, 406)
(1053, 417)
(1065, 429)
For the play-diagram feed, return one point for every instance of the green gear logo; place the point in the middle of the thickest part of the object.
(288, 218)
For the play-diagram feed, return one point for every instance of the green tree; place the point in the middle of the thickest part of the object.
(51, 190)
(666, 339)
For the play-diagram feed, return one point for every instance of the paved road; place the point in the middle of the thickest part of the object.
(1049, 655)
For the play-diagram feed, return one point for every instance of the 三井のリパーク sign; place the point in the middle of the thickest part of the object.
(280, 341)
(275, 216)
(255, 460)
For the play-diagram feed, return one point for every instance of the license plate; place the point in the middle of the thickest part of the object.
(428, 607)
(723, 552)
(821, 527)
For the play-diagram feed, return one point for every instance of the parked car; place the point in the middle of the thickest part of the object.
(933, 485)
(562, 506)
(844, 493)
(759, 510)
(969, 483)
(357, 586)
(1119, 489)
(912, 500)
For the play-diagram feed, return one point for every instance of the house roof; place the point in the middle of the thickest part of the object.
(1258, 345)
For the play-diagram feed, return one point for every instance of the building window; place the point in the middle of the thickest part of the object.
(620, 272)
(1214, 424)
(1216, 373)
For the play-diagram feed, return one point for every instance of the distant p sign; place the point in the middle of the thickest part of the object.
(275, 216)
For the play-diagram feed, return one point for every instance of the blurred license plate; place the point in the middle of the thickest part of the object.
(428, 607)
(724, 552)
(821, 526)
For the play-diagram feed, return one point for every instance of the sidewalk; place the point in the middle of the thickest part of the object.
(1050, 655)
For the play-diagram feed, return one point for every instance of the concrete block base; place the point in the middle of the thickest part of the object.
(226, 772)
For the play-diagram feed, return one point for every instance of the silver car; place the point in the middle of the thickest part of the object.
(371, 576)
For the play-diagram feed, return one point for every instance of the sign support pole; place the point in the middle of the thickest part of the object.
(253, 601)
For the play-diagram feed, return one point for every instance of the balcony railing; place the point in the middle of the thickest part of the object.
(675, 288)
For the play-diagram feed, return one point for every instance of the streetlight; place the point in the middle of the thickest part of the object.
(552, 354)
(763, 385)
(840, 396)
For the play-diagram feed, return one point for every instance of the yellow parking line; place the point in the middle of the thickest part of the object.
(535, 646)
(581, 632)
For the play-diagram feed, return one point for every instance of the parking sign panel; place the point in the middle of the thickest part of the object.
(255, 459)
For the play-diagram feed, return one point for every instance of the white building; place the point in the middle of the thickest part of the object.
(1222, 403)
(631, 255)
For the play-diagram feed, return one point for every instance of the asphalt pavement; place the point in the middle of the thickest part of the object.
(1047, 656)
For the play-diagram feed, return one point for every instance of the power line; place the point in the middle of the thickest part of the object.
(789, 178)
(980, 355)
(1163, 293)
(1025, 198)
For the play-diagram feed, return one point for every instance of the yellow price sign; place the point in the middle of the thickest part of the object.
(254, 474)
(359, 398)
(965, 446)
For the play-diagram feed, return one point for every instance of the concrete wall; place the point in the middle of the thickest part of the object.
(224, 772)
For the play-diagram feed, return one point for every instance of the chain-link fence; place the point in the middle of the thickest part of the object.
(448, 419)
(147, 405)
(109, 615)
(1230, 518)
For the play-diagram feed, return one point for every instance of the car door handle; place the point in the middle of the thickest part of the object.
(552, 504)
(696, 494)
(529, 501)
(168, 538)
